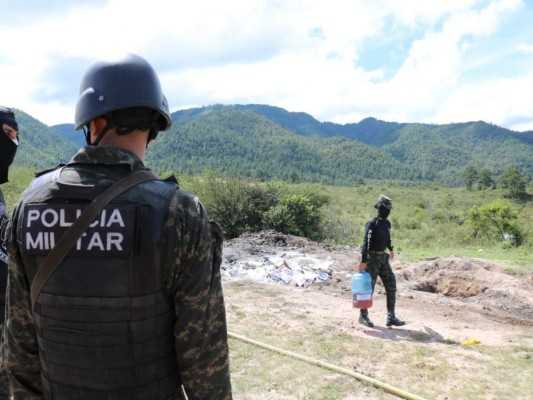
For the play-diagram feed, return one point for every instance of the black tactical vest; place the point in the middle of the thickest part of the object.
(103, 320)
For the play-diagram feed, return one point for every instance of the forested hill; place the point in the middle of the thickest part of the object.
(41, 147)
(242, 143)
(270, 142)
(437, 153)
(68, 131)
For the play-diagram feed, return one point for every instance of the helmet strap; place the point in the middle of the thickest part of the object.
(87, 134)
(154, 128)
(101, 134)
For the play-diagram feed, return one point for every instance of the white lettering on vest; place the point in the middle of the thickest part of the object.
(33, 215)
(115, 218)
(50, 217)
(53, 214)
(43, 241)
(115, 239)
(113, 232)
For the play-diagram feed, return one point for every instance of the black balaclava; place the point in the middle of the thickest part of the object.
(383, 212)
(8, 147)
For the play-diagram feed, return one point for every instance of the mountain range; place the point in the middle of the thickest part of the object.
(266, 142)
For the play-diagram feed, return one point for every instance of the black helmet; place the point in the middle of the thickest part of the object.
(384, 201)
(117, 84)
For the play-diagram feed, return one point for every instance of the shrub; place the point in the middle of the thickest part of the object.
(241, 207)
(496, 219)
(296, 214)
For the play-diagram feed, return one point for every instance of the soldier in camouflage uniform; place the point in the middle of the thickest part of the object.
(375, 259)
(9, 132)
(135, 310)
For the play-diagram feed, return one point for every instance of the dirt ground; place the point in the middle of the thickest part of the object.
(451, 298)
(449, 304)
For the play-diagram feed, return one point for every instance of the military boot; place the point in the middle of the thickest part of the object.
(364, 319)
(393, 321)
(391, 315)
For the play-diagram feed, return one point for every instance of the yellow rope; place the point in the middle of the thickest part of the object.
(391, 389)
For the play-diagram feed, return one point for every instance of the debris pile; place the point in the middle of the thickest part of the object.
(288, 268)
(272, 257)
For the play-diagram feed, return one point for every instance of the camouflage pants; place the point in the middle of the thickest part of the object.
(378, 266)
(4, 384)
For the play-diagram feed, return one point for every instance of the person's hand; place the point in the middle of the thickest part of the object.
(391, 254)
(361, 266)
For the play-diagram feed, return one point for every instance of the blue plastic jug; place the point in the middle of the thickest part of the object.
(362, 290)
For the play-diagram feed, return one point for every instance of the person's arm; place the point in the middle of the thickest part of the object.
(4, 386)
(365, 247)
(22, 350)
(389, 242)
(200, 329)
(4, 218)
(366, 242)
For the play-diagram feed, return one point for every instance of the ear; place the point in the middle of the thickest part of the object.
(95, 127)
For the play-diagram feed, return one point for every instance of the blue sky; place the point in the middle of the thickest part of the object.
(439, 61)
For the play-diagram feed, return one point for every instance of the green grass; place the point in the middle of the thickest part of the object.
(261, 374)
(427, 221)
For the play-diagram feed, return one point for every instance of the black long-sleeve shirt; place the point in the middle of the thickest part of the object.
(377, 237)
(3, 256)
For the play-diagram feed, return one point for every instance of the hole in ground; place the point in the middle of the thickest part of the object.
(460, 287)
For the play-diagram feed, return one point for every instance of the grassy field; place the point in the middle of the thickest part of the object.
(427, 221)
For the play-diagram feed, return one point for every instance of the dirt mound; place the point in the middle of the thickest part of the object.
(269, 241)
(473, 281)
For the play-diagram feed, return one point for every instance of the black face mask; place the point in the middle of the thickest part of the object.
(383, 212)
(8, 148)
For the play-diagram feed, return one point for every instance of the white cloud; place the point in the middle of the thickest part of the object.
(500, 102)
(525, 48)
(303, 55)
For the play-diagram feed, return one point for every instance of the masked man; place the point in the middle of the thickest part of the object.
(9, 132)
(375, 259)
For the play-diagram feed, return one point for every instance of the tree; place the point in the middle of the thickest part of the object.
(294, 177)
(484, 179)
(498, 220)
(469, 176)
(514, 182)
(359, 182)
(297, 214)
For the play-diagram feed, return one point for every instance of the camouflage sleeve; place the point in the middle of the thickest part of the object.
(4, 218)
(21, 347)
(200, 330)
(4, 383)
(4, 394)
